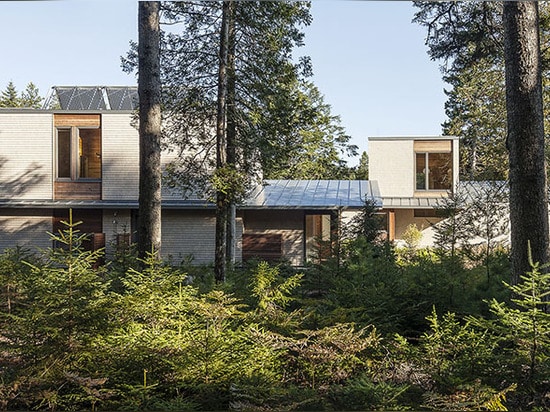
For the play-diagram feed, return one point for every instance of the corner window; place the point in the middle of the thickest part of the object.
(78, 153)
(434, 171)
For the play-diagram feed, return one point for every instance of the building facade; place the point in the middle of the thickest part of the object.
(413, 174)
(84, 157)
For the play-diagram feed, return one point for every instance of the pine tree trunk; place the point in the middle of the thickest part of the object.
(231, 149)
(525, 141)
(220, 263)
(149, 90)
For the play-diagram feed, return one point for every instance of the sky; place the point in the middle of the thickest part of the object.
(369, 60)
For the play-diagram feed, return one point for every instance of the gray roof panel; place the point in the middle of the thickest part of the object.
(313, 194)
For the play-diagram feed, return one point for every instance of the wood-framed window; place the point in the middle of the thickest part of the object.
(318, 229)
(77, 163)
(78, 153)
(434, 171)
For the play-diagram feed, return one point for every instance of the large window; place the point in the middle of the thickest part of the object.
(434, 171)
(78, 153)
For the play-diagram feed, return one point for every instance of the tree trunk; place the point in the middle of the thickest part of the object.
(231, 149)
(220, 264)
(149, 90)
(525, 141)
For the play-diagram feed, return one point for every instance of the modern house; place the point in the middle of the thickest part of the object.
(413, 174)
(84, 156)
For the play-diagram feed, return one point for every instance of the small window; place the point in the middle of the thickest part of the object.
(317, 236)
(434, 171)
(427, 213)
(78, 153)
(64, 153)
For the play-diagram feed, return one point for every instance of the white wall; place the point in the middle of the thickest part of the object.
(189, 233)
(120, 157)
(25, 227)
(26, 169)
(391, 164)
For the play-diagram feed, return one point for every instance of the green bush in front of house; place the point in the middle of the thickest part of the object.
(370, 329)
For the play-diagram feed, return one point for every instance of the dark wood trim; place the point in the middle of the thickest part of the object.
(77, 190)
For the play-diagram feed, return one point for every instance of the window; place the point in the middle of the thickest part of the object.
(317, 236)
(428, 213)
(78, 153)
(434, 171)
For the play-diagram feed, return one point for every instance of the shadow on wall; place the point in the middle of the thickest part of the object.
(28, 228)
(16, 186)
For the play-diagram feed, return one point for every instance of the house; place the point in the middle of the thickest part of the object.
(413, 174)
(84, 156)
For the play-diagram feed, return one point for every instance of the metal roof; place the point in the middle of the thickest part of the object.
(410, 202)
(95, 97)
(281, 194)
(313, 194)
(471, 190)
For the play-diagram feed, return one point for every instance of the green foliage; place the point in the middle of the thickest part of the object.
(364, 394)
(468, 39)
(412, 236)
(522, 329)
(455, 352)
(269, 338)
(230, 182)
(367, 223)
(30, 97)
(62, 304)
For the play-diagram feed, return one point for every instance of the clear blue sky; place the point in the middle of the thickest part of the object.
(369, 60)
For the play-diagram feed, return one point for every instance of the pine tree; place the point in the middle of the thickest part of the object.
(30, 97)
(10, 96)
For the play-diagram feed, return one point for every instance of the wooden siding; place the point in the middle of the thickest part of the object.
(25, 227)
(26, 155)
(190, 234)
(120, 157)
(264, 246)
(77, 120)
(432, 146)
(91, 220)
(289, 224)
(77, 190)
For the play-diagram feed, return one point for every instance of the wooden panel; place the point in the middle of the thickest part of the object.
(77, 190)
(92, 220)
(266, 246)
(391, 224)
(77, 120)
(432, 145)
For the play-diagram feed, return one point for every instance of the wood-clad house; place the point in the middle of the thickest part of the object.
(84, 157)
(413, 174)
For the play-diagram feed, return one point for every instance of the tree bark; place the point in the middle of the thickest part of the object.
(231, 149)
(149, 90)
(220, 263)
(525, 140)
